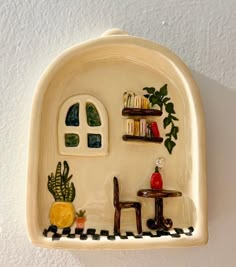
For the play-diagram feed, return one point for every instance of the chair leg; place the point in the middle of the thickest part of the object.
(117, 221)
(139, 220)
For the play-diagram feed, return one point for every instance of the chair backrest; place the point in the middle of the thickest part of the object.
(115, 192)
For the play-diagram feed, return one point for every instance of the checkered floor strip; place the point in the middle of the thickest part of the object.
(55, 233)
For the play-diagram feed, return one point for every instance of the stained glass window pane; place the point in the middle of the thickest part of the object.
(71, 140)
(72, 117)
(94, 140)
(93, 118)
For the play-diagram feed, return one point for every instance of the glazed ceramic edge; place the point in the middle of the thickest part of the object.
(116, 37)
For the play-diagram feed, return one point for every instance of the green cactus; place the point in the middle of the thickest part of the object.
(81, 213)
(60, 186)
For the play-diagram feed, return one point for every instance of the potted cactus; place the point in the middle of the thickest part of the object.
(80, 219)
(62, 211)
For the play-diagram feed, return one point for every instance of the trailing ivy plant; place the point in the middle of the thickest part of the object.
(160, 98)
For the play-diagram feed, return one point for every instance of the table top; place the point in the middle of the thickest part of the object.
(161, 193)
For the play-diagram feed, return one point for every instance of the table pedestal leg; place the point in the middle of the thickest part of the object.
(159, 222)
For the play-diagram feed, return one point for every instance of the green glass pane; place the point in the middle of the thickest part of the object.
(72, 117)
(93, 118)
(94, 140)
(71, 140)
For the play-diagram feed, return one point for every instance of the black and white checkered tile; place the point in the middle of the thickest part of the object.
(55, 233)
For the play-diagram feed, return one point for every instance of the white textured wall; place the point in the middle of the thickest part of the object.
(202, 33)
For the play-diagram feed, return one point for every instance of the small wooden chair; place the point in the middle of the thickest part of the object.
(124, 205)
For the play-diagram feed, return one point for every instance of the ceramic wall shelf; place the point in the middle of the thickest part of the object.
(106, 115)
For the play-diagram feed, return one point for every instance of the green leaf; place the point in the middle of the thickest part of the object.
(66, 170)
(69, 178)
(159, 102)
(163, 90)
(147, 95)
(150, 90)
(153, 99)
(165, 99)
(169, 144)
(170, 108)
(174, 131)
(166, 122)
(51, 183)
(160, 105)
(71, 195)
(157, 93)
(174, 118)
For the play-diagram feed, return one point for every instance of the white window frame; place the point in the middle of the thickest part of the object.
(83, 129)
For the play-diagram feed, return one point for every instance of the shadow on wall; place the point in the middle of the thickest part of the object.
(220, 113)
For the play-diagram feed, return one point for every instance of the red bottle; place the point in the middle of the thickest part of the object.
(155, 130)
(156, 181)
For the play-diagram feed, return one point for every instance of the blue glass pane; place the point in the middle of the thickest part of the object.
(93, 118)
(72, 117)
(94, 140)
(71, 140)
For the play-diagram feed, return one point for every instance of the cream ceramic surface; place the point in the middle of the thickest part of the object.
(104, 69)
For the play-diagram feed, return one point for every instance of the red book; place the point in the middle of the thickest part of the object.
(155, 130)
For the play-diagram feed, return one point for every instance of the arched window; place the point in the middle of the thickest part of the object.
(83, 127)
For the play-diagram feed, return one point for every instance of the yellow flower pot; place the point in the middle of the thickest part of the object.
(62, 214)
